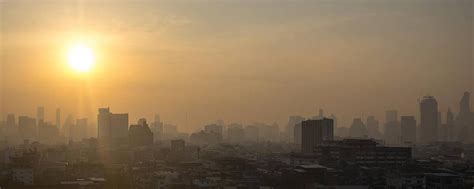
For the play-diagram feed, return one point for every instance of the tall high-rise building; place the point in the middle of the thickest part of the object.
(314, 132)
(140, 134)
(58, 118)
(392, 131)
(408, 130)
(451, 127)
(373, 128)
(40, 114)
(27, 128)
(391, 115)
(358, 129)
(290, 128)
(157, 128)
(297, 133)
(11, 129)
(112, 127)
(79, 131)
(68, 127)
(428, 119)
(465, 120)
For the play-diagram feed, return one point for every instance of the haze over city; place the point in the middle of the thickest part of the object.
(236, 94)
(240, 61)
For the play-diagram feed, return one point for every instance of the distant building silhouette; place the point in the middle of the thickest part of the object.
(214, 128)
(11, 129)
(373, 128)
(79, 130)
(40, 115)
(451, 127)
(290, 127)
(465, 119)
(157, 128)
(68, 127)
(428, 119)
(27, 128)
(297, 134)
(48, 133)
(391, 116)
(251, 133)
(314, 132)
(112, 128)
(235, 133)
(392, 128)
(140, 134)
(358, 129)
(408, 130)
(58, 119)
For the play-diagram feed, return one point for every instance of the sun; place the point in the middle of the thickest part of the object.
(80, 57)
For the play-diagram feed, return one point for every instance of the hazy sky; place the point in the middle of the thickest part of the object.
(236, 60)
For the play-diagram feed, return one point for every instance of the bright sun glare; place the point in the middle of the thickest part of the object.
(80, 57)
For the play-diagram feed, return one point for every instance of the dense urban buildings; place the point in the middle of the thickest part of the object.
(158, 155)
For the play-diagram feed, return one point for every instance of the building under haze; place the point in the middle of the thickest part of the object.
(235, 133)
(314, 132)
(290, 127)
(11, 129)
(464, 120)
(408, 130)
(27, 128)
(140, 134)
(157, 128)
(428, 120)
(392, 128)
(79, 130)
(373, 128)
(358, 129)
(112, 128)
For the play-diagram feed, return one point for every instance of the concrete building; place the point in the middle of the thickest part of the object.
(408, 130)
(140, 134)
(314, 132)
(27, 128)
(112, 128)
(428, 120)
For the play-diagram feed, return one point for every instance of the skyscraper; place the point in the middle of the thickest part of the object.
(428, 119)
(27, 128)
(391, 115)
(40, 114)
(314, 132)
(450, 125)
(297, 133)
(465, 120)
(58, 118)
(140, 134)
(112, 128)
(79, 131)
(11, 128)
(157, 128)
(358, 129)
(392, 128)
(373, 128)
(408, 130)
(290, 128)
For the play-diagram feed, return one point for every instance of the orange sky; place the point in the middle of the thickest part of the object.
(240, 61)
